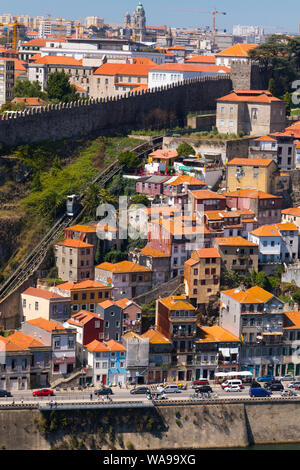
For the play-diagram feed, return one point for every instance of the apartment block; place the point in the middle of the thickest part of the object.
(237, 254)
(253, 112)
(74, 260)
(202, 275)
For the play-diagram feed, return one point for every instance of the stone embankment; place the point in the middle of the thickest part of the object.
(202, 426)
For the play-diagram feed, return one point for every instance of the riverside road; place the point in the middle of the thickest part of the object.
(121, 395)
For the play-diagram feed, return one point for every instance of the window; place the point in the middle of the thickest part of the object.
(57, 342)
(97, 324)
(195, 274)
(36, 305)
(24, 303)
(254, 113)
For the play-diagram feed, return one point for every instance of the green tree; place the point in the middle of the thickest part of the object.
(36, 182)
(279, 57)
(129, 160)
(26, 88)
(185, 149)
(140, 199)
(288, 100)
(115, 256)
(59, 88)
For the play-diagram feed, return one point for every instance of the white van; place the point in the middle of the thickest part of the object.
(227, 383)
(170, 388)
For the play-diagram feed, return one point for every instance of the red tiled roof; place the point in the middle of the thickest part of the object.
(46, 324)
(246, 96)
(250, 161)
(124, 69)
(42, 293)
(69, 242)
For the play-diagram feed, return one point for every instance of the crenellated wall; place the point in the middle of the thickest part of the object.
(144, 109)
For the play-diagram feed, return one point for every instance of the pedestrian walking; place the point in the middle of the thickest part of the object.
(91, 396)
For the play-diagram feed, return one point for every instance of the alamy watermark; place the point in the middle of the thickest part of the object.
(296, 94)
(151, 223)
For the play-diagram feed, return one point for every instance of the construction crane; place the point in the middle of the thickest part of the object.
(15, 33)
(213, 12)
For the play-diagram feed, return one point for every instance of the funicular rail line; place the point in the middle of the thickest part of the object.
(37, 255)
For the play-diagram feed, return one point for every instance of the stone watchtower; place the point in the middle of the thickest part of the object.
(247, 75)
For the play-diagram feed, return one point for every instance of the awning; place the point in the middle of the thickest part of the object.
(273, 333)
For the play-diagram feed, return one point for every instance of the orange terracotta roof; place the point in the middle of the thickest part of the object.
(106, 303)
(24, 341)
(178, 302)
(254, 295)
(41, 293)
(250, 162)
(234, 241)
(265, 138)
(186, 179)
(274, 230)
(251, 194)
(123, 267)
(66, 286)
(191, 262)
(20, 65)
(206, 194)
(208, 253)
(293, 321)
(97, 346)
(249, 96)
(37, 42)
(200, 59)
(295, 211)
(138, 70)
(240, 50)
(82, 317)
(123, 303)
(82, 228)
(69, 242)
(46, 324)
(115, 346)
(155, 337)
(57, 60)
(6, 345)
(30, 101)
(216, 334)
(164, 154)
(154, 253)
(89, 284)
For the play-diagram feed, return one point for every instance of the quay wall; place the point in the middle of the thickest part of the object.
(203, 426)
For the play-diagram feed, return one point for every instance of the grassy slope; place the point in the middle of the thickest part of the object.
(40, 208)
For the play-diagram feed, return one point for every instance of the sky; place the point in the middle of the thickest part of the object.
(284, 16)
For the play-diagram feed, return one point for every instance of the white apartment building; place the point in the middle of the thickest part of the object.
(278, 243)
(111, 49)
(168, 74)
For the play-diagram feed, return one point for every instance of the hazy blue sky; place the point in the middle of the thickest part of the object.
(284, 15)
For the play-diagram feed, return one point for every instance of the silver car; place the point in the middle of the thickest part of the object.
(294, 384)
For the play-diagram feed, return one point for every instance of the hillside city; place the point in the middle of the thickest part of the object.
(205, 283)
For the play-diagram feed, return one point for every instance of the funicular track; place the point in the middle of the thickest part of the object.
(32, 262)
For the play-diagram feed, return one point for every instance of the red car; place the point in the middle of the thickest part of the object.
(44, 392)
(196, 383)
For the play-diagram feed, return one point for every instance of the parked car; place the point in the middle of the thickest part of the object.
(140, 390)
(288, 393)
(266, 378)
(287, 377)
(169, 388)
(233, 388)
(44, 392)
(5, 393)
(259, 392)
(294, 384)
(230, 382)
(274, 386)
(104, 391)
(255, 384)
(204, 389)
(196, 383)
